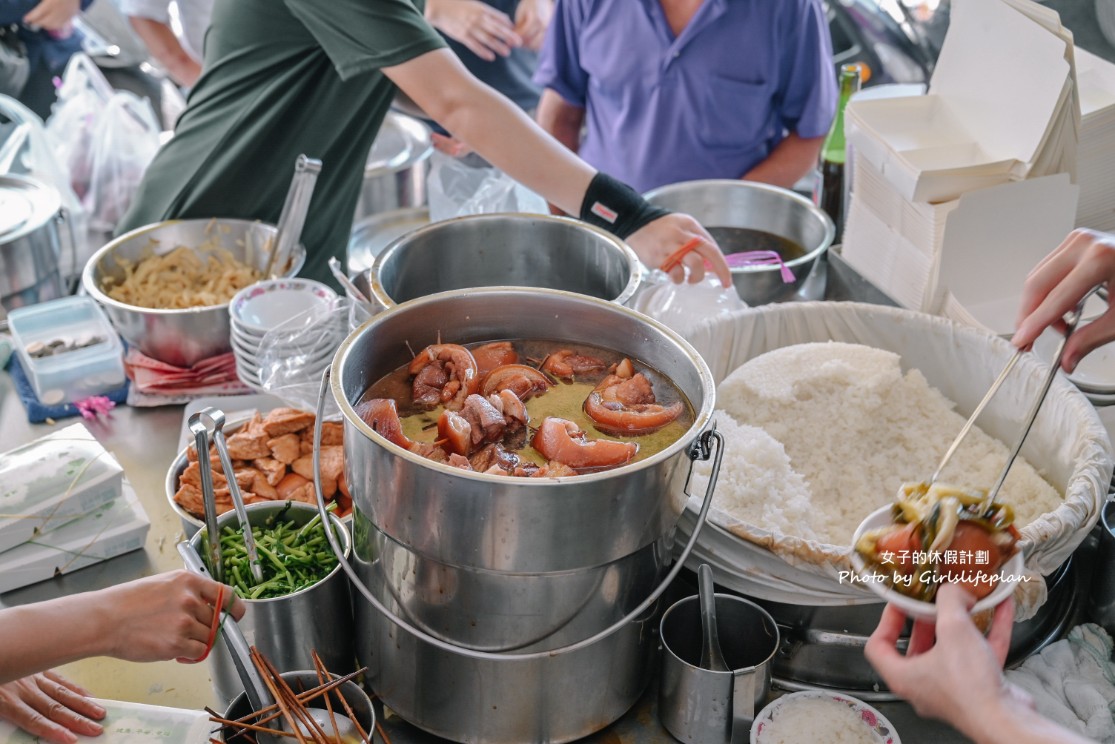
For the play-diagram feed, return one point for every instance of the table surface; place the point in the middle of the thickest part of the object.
(146, 441)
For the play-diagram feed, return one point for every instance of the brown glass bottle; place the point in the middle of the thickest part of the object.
(831, 193)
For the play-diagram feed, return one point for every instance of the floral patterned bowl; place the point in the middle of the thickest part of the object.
(803, 716)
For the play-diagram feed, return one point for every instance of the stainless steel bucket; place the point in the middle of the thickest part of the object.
(759, 206)
(31, 242)
(288, 629)
(500, 609)
(358, 701)
(522, 250)
(395, 172)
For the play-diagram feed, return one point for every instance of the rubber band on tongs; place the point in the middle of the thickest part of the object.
(760, 258)
(674, 259)
(217, 609)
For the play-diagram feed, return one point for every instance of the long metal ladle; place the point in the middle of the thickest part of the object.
(1071, 319)
(711, 655)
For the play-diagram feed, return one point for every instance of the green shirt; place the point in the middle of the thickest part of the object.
(284, 77)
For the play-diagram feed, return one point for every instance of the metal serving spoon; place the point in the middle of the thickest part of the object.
(711, 655)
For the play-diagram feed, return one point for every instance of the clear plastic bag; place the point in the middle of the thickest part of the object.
(293, 355)
(83, 94)
(125, 139)
(684, 306)
(468, 185)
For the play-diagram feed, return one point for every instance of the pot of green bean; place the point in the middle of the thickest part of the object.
(301, 601)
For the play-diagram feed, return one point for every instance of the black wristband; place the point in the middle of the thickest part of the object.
(616, 207)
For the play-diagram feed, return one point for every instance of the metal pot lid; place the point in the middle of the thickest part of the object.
(401, 142)
(371, 235)
(25, 205)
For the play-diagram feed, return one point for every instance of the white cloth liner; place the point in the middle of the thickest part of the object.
(1068, 443)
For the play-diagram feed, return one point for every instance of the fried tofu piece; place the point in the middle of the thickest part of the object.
(286, 449)
(250, 479)
(332, 432)
(189, 498)
(273, 469)
(297, 488)
(286, 420)
(248, 444)
(304, 466)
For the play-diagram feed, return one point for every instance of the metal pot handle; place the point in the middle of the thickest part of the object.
(701, 449)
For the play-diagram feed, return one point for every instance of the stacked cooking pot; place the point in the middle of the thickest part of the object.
(31, 242)
(501, 609)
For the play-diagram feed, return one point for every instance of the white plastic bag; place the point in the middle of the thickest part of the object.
(294, 354)
(684, 306)
(125, 139)
(73, 121)
(468, 185)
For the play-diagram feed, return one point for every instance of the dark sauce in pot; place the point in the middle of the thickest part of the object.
(563, 400)
(741, 239)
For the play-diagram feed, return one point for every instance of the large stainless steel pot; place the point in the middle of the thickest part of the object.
(31, 242)
(759, 206)
(372, 234)
(395, 172)
(522, 250)
(179, 337)
(501, 609)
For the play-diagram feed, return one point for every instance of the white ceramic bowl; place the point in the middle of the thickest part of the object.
(267, 304)
(1009, 575)
(876, 728)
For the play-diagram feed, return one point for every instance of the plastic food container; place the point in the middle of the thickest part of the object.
(86, 356)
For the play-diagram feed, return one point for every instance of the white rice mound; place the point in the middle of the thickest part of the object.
(809, 720)
(854, 428)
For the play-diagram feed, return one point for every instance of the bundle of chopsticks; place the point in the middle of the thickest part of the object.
(291, 707)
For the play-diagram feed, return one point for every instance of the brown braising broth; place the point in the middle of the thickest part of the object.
(564, 400)
(740, 239)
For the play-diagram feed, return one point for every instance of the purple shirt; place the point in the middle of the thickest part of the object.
(710, 103)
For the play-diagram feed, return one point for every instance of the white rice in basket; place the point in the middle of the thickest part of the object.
(818, 435)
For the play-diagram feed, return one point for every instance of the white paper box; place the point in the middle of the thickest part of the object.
(134, 723)
(116, 528)
(52, 481)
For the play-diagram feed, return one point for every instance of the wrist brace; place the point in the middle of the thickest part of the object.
(616, 207)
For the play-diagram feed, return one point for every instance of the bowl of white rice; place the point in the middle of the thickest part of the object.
(813, 715)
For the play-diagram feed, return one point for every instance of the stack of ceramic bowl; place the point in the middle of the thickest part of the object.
(289, 322)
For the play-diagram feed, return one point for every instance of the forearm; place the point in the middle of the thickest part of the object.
(561, 119)
(165, 47)
(1015, 723)
(788, 162)
(495, 127)
(46, 634)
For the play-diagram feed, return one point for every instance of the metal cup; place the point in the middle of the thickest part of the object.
(700, 706)
(288, 629)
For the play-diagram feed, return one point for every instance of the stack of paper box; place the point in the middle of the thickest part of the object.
(64, 504)
(1096, 170)
(1002, 108)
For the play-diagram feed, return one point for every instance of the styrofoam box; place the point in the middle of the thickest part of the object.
(134, 723)
(76, 374)
(116, 528)
(54, 480)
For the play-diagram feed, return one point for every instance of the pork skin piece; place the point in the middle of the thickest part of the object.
(486, 420)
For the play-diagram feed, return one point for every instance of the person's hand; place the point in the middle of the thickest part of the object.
(52, 15)
(532, 17)
(480, 27)
(658, 240)
(51, 707)
(1085, 258)
(959, 678)
(165, 616)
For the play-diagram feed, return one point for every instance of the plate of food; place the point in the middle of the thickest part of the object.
(934, 534)
(817, 715)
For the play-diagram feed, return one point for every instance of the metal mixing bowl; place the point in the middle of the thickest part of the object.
(758, 206)
(179, 337)
(520, 250)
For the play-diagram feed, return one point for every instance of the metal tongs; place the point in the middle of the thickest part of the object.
(205, 424)
(293, 217)
(1071, 320)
